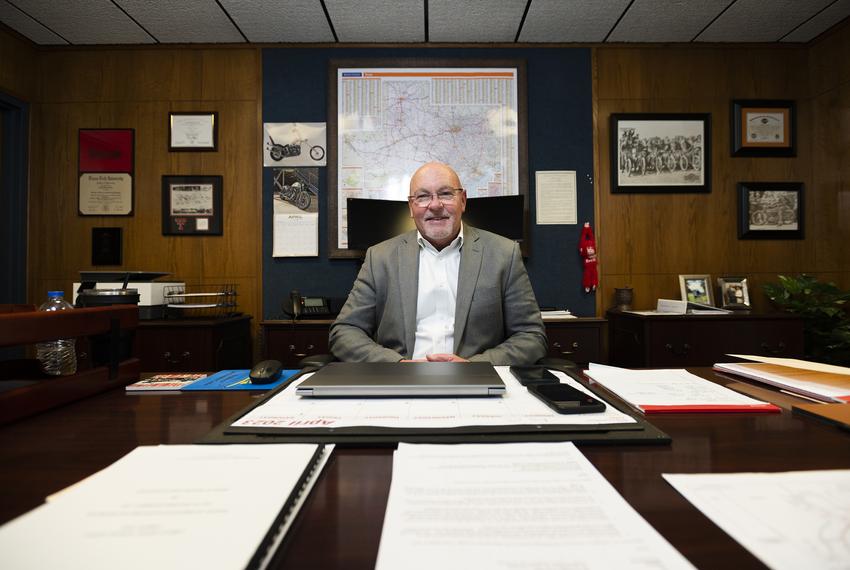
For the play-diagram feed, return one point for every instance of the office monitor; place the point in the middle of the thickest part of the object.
(373, 221)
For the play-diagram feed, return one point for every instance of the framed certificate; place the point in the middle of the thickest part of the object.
(763, 128)
(105, 194)
(192, 205)
(193, 131)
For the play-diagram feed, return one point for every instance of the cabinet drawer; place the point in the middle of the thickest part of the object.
(169, 352)
(580, 343)
(290, 346)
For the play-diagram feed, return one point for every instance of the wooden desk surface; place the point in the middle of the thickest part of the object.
(340, 525)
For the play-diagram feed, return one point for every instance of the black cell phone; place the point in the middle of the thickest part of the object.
(528, 375)
(565, 399)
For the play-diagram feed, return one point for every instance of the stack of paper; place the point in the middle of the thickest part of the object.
(211, 506)
(672, 391)
(525, 505)
(822, 382)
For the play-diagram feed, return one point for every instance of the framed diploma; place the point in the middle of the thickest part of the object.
(106, 150)
(105, 194)
(193, 131)
(764, 128)
(192, 205)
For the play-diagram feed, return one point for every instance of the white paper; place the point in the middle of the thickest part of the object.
(515, 407)
(555, 315)
(295, 144)
(158, 505)
(556, 197)
(296, 235)
(795, 363)
(666, 387)
(811, 387)
(789, 520)
(509, 506)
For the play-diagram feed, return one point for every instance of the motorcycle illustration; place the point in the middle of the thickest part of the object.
(280, 151)
(300, 192)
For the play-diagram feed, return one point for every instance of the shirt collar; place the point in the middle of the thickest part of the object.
(456, 243)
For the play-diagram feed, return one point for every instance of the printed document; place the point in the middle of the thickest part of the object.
(508, 506)
(205, 506)
(515, 407)
(665, 391)
(789, 520)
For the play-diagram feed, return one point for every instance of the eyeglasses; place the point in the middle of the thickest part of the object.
(445, 196)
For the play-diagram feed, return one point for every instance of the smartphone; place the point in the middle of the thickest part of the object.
(528, 375)
(565, 399)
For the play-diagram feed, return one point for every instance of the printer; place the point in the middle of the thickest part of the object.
(151, 292)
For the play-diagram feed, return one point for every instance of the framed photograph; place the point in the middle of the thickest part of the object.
(660, 152)
(734, 293)
(192, 205)
(431, 109)
(764, 128)
(106, 246)
(770, 210)
(106, 150)
(697, 289)
(195, 131)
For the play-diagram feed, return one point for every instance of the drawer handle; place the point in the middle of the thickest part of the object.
(780, 348)
(167, 355)
(557, 346)
(678, 352)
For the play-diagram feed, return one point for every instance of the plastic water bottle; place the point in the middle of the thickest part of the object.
(57, 357)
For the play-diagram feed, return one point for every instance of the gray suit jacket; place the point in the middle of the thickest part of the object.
(497, 318)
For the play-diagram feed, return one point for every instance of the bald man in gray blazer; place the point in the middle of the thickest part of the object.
(442, 292)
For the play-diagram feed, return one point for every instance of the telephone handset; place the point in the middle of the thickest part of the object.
(298, 306)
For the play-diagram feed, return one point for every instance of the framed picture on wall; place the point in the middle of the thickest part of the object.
(105, 165)
(770, 210)
(764, 128)
(192, 205)
(660, 152)
(194, 131)
(734, 292)
(696, 289)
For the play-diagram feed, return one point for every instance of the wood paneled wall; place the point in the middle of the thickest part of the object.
(136, 88)
(647, 240)
(17, 66)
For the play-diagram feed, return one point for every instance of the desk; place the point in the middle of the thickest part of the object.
(340, 524)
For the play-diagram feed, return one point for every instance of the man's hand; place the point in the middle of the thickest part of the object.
(444, 358)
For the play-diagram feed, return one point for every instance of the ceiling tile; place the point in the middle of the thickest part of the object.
(86, 21)
(760, 21)
(276, 21)
(571, 20)
(378, 20)
(666, 20)
(494, 20)
(820, 23)
(27, 26)
(186, 21)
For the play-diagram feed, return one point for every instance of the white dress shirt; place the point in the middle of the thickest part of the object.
(435, 302)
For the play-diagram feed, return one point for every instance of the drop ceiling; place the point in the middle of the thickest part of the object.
(99, 22)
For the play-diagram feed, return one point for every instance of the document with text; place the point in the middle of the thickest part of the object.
(790, 520)
(203, 506)
(508, 506)
(515, 407)
(673, 391)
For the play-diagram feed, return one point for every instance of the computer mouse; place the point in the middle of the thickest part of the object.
(266, 372)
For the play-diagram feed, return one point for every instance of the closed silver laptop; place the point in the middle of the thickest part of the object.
(401, 379)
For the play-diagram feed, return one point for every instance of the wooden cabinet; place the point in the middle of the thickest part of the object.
(192, 345)
(290, 341)
(580, 340)
(700, 340)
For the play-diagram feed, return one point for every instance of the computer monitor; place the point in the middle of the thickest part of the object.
(373, 221)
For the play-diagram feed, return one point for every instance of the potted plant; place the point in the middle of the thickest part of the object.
(824, 308)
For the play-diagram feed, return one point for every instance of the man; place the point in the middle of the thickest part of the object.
(443, 292)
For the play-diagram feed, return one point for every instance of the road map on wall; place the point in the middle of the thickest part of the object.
(393, 120)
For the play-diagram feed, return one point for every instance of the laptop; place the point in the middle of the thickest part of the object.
(379, 379)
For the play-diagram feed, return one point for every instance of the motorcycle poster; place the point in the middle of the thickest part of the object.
(294, 144)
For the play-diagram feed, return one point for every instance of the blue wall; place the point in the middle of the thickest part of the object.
(560, 137)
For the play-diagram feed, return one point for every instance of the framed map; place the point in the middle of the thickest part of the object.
(387, 118)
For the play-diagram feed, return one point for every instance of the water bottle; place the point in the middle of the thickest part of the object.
(57, 357)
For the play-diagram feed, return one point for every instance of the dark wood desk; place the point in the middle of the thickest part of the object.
(340, 525)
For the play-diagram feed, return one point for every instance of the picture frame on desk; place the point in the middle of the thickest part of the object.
(770, 210)
(762, 127)
(734, 293)
(192, 205)
(660, 153)
(697, 289)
